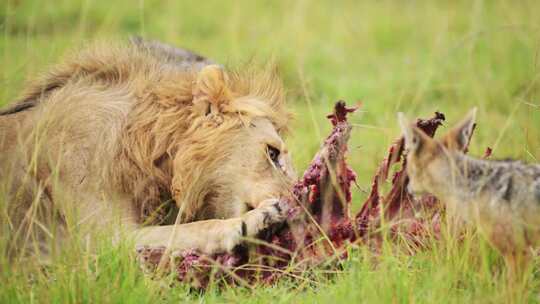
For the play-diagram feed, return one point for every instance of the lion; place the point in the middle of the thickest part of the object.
(174, 149)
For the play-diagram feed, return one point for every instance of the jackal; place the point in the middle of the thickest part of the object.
(501, 197)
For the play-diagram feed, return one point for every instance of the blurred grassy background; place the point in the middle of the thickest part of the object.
(410, 56)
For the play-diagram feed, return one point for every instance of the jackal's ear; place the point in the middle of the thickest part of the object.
(415, 138)
(210, 90)
(458, 137)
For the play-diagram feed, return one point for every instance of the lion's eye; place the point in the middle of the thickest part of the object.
(273, 153)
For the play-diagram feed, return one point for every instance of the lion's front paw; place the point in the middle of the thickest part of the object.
(270, 211)
(274, 210)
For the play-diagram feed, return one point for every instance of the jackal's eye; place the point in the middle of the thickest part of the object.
(273, 154)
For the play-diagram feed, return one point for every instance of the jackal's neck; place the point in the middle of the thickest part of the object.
(475, 177)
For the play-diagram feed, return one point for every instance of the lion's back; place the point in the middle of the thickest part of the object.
(79, 108)
(108, 64)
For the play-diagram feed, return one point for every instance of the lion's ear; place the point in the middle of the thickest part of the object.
(210, 91)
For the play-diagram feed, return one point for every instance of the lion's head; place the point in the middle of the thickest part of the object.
(234, 156)
(215, 145)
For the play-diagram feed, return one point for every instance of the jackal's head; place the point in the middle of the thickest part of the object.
(431, 163)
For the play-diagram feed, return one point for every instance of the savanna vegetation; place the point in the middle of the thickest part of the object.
(415, 57)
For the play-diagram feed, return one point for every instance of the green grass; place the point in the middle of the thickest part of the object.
(410, 56)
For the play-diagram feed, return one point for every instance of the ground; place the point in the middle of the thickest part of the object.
(411, 56)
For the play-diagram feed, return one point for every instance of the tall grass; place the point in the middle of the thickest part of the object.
(416, 57)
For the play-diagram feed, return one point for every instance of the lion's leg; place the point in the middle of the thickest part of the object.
(214, 236)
